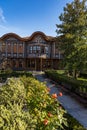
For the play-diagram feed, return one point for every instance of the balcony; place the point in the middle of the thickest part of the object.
(38, 56)
(58, 56)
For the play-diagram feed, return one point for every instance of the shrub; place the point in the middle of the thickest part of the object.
(9, 73)
(77, 86)
(25, 104)
(73, 124)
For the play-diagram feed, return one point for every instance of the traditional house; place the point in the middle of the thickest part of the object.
(36, 52)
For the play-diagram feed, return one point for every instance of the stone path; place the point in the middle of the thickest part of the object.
(73, 107)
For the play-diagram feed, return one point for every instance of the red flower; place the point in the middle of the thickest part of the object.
(54, 95)
(45, 122)
(49, 114)
(60, 94)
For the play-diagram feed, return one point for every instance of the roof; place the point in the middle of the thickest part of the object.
(47, 38)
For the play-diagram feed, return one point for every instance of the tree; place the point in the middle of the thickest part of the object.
(73, 30)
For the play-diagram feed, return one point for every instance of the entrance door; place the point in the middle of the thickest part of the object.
(38, 65)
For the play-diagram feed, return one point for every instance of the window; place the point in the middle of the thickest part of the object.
(39, 39)
(14, 44)
(15, 55)
(32, 63)
(9, 44)
(38, 49)
(42, 50)
(15, 47)
(3, 44)
(20, 44)
(20, 54)
(3, 47)
(30, 49)
(9, 47)
(9, 54)
(34, 49)
(20, 64)
(14, 63)
(46, 49)
(29, 64)
(3, 54)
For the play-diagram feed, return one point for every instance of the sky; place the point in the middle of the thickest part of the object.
(24, 17)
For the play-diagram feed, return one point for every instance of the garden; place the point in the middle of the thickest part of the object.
(25, 104)
(78, 86)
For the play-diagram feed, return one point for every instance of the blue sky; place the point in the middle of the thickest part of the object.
(24, 17)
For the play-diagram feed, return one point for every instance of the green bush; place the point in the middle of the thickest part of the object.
(77, 86)
(25, 104)
(73, 124)
(9, 73)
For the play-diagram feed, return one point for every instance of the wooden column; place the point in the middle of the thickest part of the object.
(17, 63)
(17, 48)
(12, 49)
(59, 54)
(30, 64)
(41, 64)
(23, 49)
(6, 47)
(35, 65)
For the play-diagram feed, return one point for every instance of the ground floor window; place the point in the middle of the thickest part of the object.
(14, 63)
(20, 64)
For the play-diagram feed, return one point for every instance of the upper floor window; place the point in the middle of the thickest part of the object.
(38, 47)
(14, 44)
(20, 44)
(30, 49)
(46, 49)
(3, 44)
(9, 44)
(11, 39)
(39, 39)
(34, 49)
(3, 47)
(42, 50)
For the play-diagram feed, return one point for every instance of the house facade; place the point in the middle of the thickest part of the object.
(36, 52)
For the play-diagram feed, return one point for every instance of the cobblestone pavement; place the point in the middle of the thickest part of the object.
(73, 107)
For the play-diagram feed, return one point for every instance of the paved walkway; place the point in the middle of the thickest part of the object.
(73, 107)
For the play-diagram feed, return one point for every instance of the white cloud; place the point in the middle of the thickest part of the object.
(2, 17)
(8, 29)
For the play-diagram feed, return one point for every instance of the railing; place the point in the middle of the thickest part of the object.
(58, 56)
(38, 56)
(21, 55)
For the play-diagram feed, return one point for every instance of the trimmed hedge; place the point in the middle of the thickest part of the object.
(73, 124)
(83, 75)
(7, 74)
(77, 86)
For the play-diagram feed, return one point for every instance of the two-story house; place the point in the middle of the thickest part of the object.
(36, 52)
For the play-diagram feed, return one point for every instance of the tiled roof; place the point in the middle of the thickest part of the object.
(48, 38)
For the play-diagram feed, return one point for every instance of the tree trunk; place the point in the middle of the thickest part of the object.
(74, 73)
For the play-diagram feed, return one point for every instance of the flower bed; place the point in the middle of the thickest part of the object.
(25, 104)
